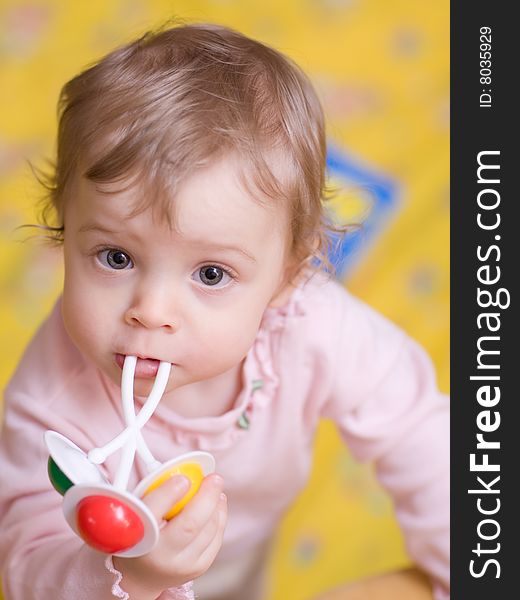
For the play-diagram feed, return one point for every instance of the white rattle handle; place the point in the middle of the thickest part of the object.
(127, 396)
(99, 455)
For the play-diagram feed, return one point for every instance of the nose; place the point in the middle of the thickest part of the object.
(153, 310)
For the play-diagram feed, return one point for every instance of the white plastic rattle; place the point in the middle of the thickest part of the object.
(107, 516)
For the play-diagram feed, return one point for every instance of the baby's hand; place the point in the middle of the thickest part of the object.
(187, 544)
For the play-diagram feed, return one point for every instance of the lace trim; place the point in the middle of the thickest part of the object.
(184, 592)
(117, 591)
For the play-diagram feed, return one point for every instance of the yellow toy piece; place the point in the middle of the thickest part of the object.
(192, 471)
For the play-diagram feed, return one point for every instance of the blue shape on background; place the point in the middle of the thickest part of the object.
(383, 192)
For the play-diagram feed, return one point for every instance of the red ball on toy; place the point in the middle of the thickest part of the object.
(107, 524)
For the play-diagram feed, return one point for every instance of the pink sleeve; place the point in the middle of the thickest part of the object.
(389, 411)
(40, 557)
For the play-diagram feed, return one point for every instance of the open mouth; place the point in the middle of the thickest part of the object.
(145, 367)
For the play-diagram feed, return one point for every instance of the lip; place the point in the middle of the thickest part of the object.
(145, 368)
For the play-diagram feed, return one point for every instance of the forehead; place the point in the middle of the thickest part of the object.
(212, 203)
(216, 196)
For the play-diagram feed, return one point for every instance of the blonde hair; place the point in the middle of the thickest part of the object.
(158, 108)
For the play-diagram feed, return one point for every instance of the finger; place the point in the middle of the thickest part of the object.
(191, 520)
(187, 558)
(212, 529)
(166, 495)
(205, 557)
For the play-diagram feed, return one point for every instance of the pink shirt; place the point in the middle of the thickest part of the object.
(324, 354)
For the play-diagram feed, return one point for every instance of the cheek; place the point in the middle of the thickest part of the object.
(75, 287)
(225, 340)
(75, 321)
(83, 320)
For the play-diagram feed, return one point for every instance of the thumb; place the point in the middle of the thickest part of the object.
(161, 499)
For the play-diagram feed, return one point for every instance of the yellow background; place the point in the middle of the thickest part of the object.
(381, 68)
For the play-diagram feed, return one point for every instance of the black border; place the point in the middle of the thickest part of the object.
(474, 129)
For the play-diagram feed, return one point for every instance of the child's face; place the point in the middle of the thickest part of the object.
(192, 295)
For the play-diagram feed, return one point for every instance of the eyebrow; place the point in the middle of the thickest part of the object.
(199, 243)
(225, 248)
(95, 227)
